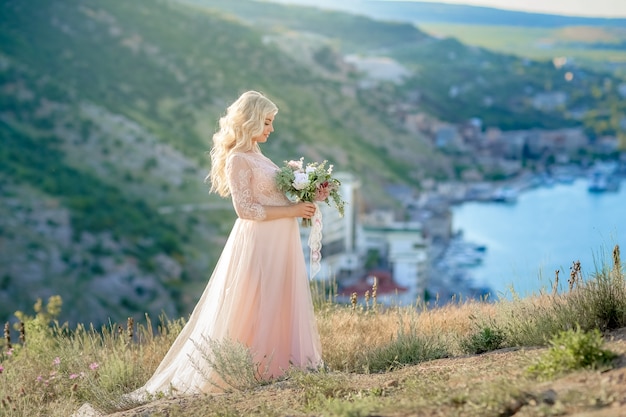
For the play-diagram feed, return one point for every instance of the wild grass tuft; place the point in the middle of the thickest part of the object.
(57, 369)
(407, 348)
(233, 362)
(485, 338)
(601, 302)
(598, 302)
(571, 350)
(317, 387)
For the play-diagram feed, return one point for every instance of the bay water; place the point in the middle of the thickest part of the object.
(546, 229)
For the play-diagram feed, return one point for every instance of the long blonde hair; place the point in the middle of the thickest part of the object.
(244, 119)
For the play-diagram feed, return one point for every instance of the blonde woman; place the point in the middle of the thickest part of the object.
(258, 296)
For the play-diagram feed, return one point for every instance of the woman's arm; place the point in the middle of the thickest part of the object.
(239, 180)
(305, 210)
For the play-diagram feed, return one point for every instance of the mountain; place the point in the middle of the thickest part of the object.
(444, 77)
(431, 12)
(107, 111)
(594, 43)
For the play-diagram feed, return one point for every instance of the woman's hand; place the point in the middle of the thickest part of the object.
(305, 210)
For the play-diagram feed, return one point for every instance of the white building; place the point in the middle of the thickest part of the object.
(339, 234)
(404, 247)
(401, 247)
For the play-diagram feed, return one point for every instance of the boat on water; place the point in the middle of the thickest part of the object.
(505, 195)
(603, 178)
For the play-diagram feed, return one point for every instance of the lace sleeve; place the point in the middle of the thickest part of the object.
(240, 184)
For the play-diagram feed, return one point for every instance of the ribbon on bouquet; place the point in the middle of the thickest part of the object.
(315, 242)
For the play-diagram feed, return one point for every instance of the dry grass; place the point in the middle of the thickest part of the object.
(348, 335)
(587, 34)
(385, 361)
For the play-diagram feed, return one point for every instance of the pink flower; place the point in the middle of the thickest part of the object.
(56, 361)
(1, 368)
(9, 352)
(295, 165)
(73, 376)
(39, 378)
(93, 366)
(322, 192)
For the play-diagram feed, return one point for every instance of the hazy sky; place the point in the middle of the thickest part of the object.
(603, 8)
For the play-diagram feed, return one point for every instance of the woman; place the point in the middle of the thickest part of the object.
(258, 295)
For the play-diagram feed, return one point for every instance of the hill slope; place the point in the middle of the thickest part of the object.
(491, 384)
(435, 12)
(107, 110)
(443, 77)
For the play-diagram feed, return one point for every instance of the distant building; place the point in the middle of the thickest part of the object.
(549, 100)
(606, 144)
(537, 143)
(339, 234)
(564, 140)
(401, 247)
(448, 137)
(513, 143)
(419, 122)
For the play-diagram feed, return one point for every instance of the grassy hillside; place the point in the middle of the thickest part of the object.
(107, 114)
(108, 110)
(593, 46)
(354, 31)
(434, 12)
(452, 80)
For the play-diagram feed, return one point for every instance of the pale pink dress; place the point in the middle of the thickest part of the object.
(258, 294)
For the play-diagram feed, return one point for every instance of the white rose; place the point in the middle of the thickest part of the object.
(301, 180)
(309, 169)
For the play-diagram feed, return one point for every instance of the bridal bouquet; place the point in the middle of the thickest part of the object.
(312, 183)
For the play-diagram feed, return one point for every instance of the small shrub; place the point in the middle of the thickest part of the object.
(596, 303)
(318, 387)
(533, 321)
(233, 362)
(571, 350)
(408, 348)
(38, 328)
(601, 302)
(347, 408)
(484, 340)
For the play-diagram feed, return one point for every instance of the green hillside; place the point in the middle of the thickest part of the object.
(455, 81)
(595, 47)
(107, 112)
(352, 32)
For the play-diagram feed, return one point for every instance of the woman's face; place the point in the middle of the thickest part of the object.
(267, 129)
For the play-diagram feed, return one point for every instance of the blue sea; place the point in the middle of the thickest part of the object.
(545, 230)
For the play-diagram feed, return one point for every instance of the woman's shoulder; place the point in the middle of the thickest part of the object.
(251, 158)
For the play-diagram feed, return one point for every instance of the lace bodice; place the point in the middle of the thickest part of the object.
(251, 179)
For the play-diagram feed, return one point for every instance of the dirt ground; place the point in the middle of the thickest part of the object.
(492, 384)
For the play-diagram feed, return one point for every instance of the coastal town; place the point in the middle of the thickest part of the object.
(411, 252)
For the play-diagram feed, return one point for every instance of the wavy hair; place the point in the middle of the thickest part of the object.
(244, 120)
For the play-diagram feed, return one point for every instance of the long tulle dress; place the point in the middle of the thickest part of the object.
(258, 294)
